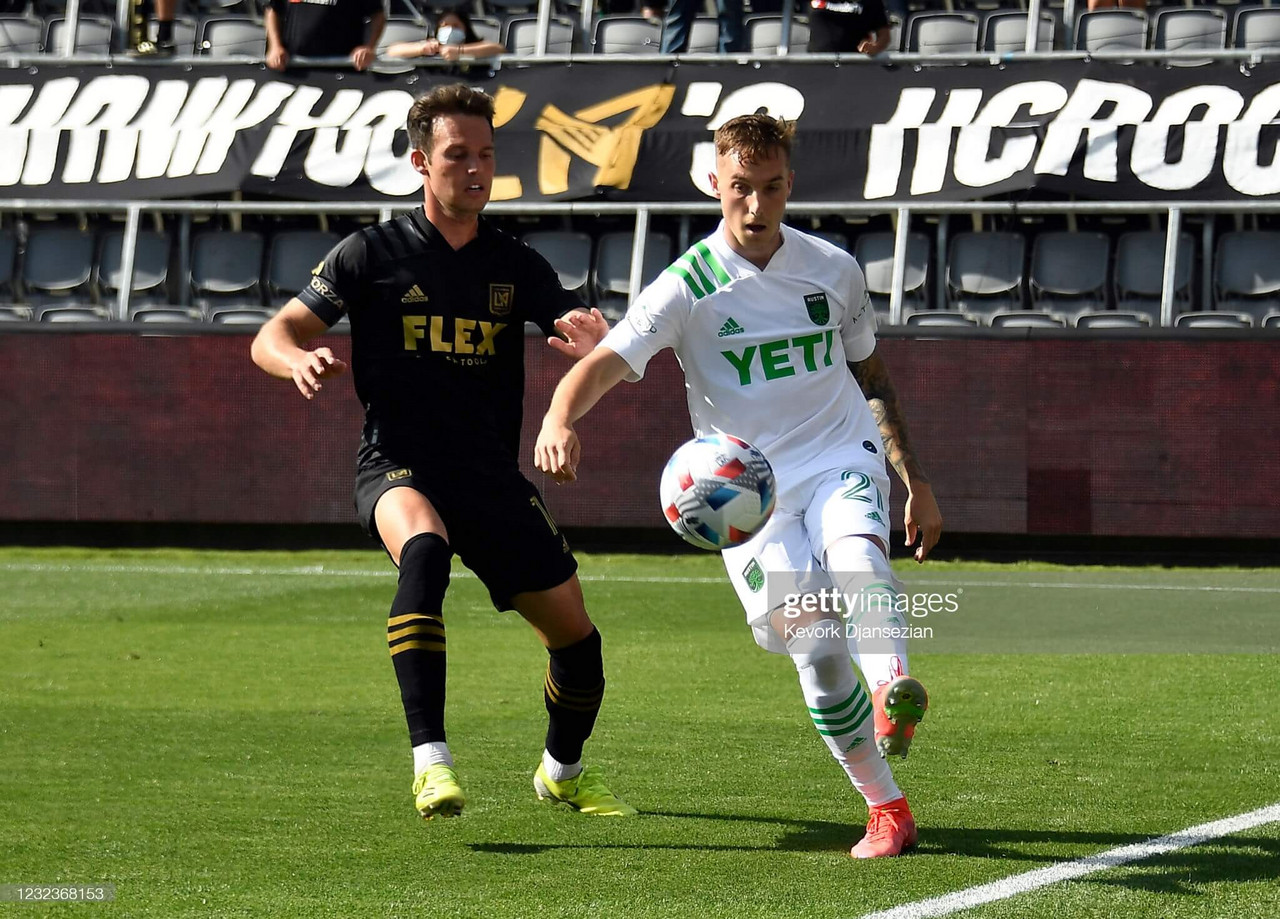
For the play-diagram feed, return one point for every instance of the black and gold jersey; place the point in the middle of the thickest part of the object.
(437, 335)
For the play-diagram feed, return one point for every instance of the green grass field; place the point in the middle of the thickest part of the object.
(219, 734)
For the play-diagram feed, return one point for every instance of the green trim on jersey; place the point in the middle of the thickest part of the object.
(681, 272)
(700, 270)
(710, 258)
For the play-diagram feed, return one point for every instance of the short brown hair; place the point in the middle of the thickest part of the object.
(755, 137)
(452, 99)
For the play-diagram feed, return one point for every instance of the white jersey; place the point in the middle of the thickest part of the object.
(764, 352)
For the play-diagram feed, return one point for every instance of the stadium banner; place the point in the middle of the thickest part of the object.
(642, 132)
(1098, 437)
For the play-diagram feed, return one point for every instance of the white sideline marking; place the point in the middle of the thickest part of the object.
(322, 571)
(1066, 871)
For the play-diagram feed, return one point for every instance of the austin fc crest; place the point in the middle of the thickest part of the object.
(819, 309)
(500, 298)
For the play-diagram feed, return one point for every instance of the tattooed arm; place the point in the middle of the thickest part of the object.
(922, 516)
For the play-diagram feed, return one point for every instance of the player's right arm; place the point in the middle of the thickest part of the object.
(557, 451)
(278, 349)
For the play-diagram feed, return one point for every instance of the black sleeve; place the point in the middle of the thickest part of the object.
(337, 282)
(877, 17)
(373, 8)
(547, 301)
(279, 6)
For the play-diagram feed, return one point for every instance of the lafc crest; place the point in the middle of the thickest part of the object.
(501, 298)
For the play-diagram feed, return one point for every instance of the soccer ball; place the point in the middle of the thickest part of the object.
(717, 491)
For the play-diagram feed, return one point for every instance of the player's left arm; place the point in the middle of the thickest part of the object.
(922, 514)
(582, 329)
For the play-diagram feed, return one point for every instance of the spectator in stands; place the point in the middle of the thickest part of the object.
(163, 45)
(323, 28)
(454, 37)
(848, 25)
(679, 24)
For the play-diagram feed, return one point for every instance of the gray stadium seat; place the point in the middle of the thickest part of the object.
(231, 36)
(569, 253)
(613, 268)
(184, 36)
(764, 34)
(54, 313)
(874, 252)
(148, 314)
(1112, 319)
(93, 35)
(1272, 321)
(1111, 30)
(1214, 319)
(626, 35)
(240, 315)
(398, 30)
(522, 33)
(1246, 273)
(294, 253)
(15, 314)
(941, 319)
(942, 33)
(1069, 272)
(704, 36)
(1005, 32)
(1257, 28)
(21, 36)
(1198, 29)
(1027, 319)
(1139, 272)
(150, 263)
(58, 265)
(984, 272)
(226, 269)
(487, 29)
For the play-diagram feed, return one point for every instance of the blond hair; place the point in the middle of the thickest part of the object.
(754, 137)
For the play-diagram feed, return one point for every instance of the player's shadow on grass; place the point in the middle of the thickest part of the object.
(830, 836)
(1184, 871)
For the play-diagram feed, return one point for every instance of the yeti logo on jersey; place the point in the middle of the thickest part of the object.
(779, 359)
(754, 576)
(500, 297)
(819, 309)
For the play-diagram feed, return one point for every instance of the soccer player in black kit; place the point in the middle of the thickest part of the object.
(437, 301)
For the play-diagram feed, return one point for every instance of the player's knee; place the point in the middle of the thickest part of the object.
(424, 574)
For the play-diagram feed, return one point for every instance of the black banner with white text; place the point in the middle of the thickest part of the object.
(642, 132)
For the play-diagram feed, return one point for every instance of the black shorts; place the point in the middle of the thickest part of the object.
(497, 523)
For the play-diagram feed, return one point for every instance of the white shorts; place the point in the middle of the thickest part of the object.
(788, 554)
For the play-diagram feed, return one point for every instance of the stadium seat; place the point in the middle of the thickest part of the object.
(93, 35)
(1257, 28)
(569, 253)
(240, 315)
(984, 272)
(230, 36)
(150, 264)
(1111, 30)
(1112, 319)
(1027, 319)
(487, 28)
(626, 35)
(1139, 272)
(1272, 321)
(1069, 272)
(1198, 29)
(1214, 319)
(942, 33)
(839, 240)
(184, 36)
(1005, 32)
(21, 36)
(294, 253)
(148, 314)
(941, 319)
(398, 30)
(58, 266)
(764, 35)
(874, 252)
(613, 268)
(1246, 273)
(53, 312)
(704, 36)
(15, 314)
(226, 269)
(522, 32)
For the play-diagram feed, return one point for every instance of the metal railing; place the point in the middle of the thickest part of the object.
(1174, 213)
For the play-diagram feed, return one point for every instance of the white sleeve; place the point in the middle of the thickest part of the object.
(858, 325)
(655, 321)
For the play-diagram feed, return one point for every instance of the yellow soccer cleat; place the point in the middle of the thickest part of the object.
(437, 792)
(586, 793)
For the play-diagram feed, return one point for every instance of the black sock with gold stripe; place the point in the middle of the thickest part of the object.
(415, 634)
(574, 689)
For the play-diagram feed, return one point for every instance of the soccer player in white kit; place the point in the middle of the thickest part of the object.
(776, 336)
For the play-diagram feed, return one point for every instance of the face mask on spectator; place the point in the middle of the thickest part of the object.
(451, 35)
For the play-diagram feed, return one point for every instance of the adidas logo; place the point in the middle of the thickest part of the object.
(730, 327)
(414, 295)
